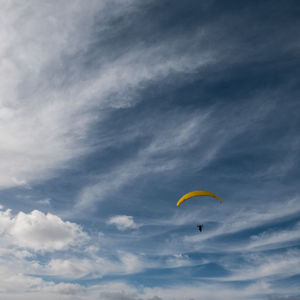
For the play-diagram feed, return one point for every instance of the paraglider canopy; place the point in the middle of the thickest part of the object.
(197, 193)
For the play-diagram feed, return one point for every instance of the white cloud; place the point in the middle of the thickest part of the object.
(276, 266)
(168, 149)
(40, 232)
(23, 235)
(46, 201)
(274, 239)
(71, 268)
(131, 263)
(9, 282)
(123, 291)
(95, 266)
(15, 285)
(64, 289)
(5, 219)
(123, 222)
(45, 114)
(34, 117)
(119, 290)
(178, 260)
(261, 268)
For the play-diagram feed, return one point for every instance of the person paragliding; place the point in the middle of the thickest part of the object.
(200, 227)
(195, 194)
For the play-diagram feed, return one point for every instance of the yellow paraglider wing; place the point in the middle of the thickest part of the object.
(197, 193)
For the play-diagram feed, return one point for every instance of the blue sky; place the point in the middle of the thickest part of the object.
(110, 111)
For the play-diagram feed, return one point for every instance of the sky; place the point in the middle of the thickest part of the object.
(110, 111)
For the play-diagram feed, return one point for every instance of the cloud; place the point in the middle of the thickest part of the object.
(178, 260)
(34, 116)
(71, 268)
(131, 263)
(10, 279)
(119, 290)
(123, 222)
(94, 267)
(26, 237)
(32, 287)
(276, 266)
(119, 296)
(40, 232)
(124, 291)
(116, 290)
(172, 138)
(273, 239)
(64, 289)
(284, 298)
(48, 103)
(45, 201)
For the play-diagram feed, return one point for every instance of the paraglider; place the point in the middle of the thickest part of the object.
(195, 194)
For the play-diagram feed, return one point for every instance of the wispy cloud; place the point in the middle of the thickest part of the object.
(252, 217)
(275, 238)
(172, 138)
(276, 266)
(45, 112)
